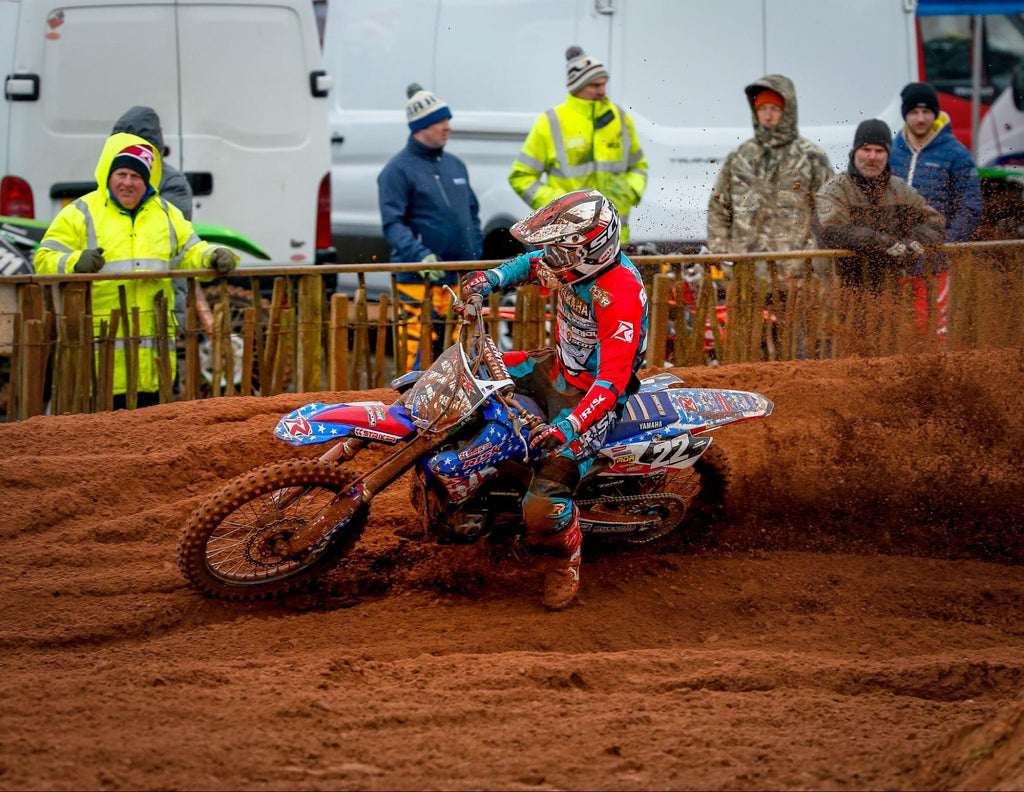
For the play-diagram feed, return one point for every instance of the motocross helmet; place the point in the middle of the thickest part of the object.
(579, 232)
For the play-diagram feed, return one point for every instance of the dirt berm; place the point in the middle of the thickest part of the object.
(856, 623)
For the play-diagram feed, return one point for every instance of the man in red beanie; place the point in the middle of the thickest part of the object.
(763, 198)
(125, 226)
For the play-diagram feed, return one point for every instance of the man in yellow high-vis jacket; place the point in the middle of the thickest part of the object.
(587, 142)
(124, 225)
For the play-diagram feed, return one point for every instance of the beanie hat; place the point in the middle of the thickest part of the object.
(424, 108)
(136, 157)
(919, 95)
(874, 132)
(768, 96)
(581, 69)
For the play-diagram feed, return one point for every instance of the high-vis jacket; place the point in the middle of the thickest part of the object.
(156, 237)
(581, 145)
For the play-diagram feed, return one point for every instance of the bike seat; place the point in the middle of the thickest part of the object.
(643, 412)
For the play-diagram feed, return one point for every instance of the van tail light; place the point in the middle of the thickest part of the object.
(16, 198)
(323, 214)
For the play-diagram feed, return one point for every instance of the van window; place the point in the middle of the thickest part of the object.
(71, 101)
(240, 45)
(384, 46)
(946, 49)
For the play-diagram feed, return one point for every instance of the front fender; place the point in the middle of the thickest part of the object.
(323, 423)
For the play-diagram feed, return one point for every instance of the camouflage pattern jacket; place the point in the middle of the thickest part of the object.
(763, 198)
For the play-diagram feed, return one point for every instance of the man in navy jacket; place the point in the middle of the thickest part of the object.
(428, 211)
(930, 159)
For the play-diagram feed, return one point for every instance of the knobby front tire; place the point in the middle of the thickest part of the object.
(234, 545)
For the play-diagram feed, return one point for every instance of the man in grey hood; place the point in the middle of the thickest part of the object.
(144, 122)
(763, 198)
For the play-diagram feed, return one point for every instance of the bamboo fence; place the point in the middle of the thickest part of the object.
(305, 338)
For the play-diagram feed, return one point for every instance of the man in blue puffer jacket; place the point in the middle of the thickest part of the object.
(428, 211)
(930, 159)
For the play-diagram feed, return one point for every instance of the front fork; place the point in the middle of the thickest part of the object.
(361, 492)
(342, 451)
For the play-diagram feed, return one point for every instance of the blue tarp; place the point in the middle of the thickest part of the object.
(969, 7)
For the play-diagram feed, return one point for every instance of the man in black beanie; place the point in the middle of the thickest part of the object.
(874, 214)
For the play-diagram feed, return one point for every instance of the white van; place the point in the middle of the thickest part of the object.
(239, 87)
(678, 66)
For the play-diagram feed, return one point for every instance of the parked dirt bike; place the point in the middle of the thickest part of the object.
(464, 431)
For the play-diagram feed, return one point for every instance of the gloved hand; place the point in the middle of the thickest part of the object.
(547, 437)
(477, 283)
(430, 275)
(223, 260)
(897, 250)
(471, 307)
(90, 260)
(916, 248)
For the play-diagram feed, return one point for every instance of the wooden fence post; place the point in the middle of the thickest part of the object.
(337, 343)
(361, 376)
(249, 347)
(382, 339)
(310, 324)
(657, 338)
(274, 320)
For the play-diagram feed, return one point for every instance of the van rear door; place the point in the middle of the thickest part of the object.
(92, 64)
(255, 144)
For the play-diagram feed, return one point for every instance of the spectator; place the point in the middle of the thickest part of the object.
(927, 156)
(583, 383)
(587, 142)
(763, 198)
(428, 211)
(174, 187)
(124, 225)
(872, 213)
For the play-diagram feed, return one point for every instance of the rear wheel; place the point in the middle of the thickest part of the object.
(244, 543)
(688, 501)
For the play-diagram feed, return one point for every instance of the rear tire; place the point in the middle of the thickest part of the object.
(704, 486)
(233, 546)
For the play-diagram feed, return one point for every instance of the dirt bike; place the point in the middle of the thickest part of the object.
(464, 431)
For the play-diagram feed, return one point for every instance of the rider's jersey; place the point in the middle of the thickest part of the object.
(600, 325)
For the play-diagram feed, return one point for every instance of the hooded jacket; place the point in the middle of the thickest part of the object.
(427, 206)
(144, 122)
(763, 198)
(582, 145)
(943, 171)
(155, 237)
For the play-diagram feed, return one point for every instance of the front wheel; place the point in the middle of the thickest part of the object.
(252, 538)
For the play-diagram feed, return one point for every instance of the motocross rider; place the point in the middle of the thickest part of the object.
(600, 343)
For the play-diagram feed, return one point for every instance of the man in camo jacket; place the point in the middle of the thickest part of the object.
(763, 198)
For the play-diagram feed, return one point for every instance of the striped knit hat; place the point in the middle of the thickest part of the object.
(424, 108)
(136, 158)
(581, 69)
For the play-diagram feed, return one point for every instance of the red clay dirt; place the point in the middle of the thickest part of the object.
(857, 622)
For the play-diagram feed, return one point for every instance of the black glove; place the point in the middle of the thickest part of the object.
(90, 260)
(223, 260)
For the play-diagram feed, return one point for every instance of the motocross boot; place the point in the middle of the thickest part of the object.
(561, 581)
(562, 574)
(553, 527)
